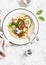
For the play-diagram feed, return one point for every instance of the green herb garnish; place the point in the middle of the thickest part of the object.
(24, 32)
(10, 24)
(18, 24)
(41, 18)
(39, 12)
(13, 27)
(14, 31)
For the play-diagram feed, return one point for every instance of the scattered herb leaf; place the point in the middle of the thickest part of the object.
(39, 12)
(41, 18)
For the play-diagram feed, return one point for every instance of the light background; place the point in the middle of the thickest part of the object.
(14, 55)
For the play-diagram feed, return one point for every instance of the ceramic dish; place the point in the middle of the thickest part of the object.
(13, 14)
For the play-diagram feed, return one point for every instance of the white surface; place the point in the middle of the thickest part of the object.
(14, 55)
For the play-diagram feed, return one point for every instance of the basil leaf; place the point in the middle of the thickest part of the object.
(39, 12)
(41, 18)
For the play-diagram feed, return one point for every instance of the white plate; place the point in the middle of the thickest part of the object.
(15, 13)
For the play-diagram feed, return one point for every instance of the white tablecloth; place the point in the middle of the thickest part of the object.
(14, 54)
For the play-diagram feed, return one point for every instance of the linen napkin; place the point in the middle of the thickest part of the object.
(2, 47)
